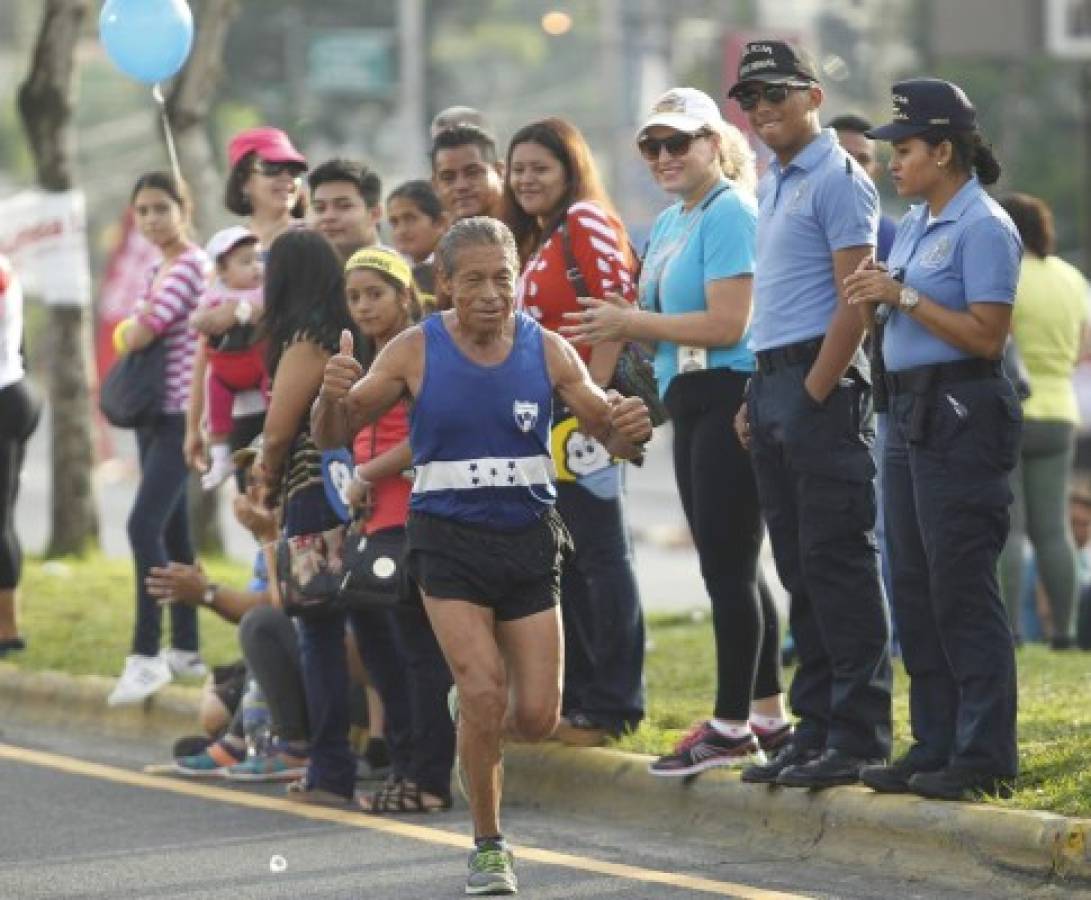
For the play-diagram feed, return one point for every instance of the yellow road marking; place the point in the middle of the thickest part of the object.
(354, 819)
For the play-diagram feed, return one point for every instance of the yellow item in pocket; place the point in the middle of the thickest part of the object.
(120, 346)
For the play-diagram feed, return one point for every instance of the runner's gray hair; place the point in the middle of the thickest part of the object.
(474, 231)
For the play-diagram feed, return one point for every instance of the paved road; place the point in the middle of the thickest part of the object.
(668, 575)
(79, 820)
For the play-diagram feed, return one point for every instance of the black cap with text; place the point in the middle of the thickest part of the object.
(921, 104)
(773, 61)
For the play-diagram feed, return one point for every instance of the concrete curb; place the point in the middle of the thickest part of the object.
(915, 837)
(910, 836)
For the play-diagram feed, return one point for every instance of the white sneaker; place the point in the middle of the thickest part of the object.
(219, 471)
(142, 677)
(184, 663)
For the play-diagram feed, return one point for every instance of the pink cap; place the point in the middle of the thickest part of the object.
(271, 144)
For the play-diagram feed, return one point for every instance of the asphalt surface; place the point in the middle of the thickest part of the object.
(70, 829)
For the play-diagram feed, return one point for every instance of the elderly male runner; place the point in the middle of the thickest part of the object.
(485, 544)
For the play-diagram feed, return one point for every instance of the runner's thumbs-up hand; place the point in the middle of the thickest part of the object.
(342, 370)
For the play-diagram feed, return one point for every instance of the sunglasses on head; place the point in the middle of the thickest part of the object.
(677, 144)
(273, 169)
(748, 98)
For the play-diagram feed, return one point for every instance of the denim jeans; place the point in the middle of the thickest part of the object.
(600, 604)
(404, 662)
(158, 529)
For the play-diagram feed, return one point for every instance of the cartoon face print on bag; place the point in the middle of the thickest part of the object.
(583, 454)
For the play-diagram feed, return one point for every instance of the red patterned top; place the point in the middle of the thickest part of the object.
(545, 291)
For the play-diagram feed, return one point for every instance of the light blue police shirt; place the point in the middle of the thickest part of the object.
(822, 201)
(687, 250)
(969, 254)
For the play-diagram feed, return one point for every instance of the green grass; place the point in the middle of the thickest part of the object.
(77, 615)
(1054, 712)
(78, 618)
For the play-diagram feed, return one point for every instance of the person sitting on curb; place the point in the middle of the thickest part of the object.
(269, 645)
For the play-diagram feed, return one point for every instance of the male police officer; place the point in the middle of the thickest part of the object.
(807, 421)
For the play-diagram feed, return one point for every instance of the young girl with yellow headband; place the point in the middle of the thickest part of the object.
(410, 673)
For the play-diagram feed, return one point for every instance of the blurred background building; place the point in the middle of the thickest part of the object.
(363, 79)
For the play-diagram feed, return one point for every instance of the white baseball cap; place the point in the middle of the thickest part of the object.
(684, 109)
(227, 239)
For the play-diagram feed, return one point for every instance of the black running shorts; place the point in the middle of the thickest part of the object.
(516, 573)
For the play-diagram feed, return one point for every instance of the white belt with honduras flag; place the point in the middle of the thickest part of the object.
(486, 472)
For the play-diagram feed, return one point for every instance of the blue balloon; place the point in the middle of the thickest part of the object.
(148, 40)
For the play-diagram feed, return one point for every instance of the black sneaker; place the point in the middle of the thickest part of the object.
(772, 740)
(790, 754)
(960, 784)
(705, 748)
(832, 768)
(894, 779)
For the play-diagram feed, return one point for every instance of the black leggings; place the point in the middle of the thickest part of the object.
(19, 414)
(720, 499)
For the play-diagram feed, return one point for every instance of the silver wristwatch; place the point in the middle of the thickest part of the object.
(908, 299)
(209, 596)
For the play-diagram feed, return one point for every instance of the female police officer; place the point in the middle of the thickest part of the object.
(955, 426)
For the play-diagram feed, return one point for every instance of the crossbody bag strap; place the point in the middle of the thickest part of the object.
(571, 264)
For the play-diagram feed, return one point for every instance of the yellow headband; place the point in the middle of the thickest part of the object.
(382, 260)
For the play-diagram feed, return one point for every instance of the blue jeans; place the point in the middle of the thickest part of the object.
(158, 529)
(405, 664)
(603, 621)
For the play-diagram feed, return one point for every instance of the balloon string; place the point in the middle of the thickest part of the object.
(157, 94)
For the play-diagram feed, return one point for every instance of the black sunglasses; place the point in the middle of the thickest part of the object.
(677, 144)
(749, 98)
(273, 169)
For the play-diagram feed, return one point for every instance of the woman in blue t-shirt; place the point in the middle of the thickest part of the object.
(695, 302)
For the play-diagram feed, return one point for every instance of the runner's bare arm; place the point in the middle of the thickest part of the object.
(349, 399)
(621, 424)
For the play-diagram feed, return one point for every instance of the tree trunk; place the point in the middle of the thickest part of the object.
(188, 104)
(45, 104)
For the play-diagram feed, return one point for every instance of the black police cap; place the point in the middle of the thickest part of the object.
(921, 104)
(773, 61)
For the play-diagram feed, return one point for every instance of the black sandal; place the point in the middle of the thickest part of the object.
(405, 797)
(378, 801)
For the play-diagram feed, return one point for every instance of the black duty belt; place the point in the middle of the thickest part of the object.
(801, 354)
(923, 378)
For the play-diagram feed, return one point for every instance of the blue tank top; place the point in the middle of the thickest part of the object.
(480, 434)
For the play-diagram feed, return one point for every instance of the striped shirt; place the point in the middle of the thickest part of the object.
(545, 291)
(167, 312)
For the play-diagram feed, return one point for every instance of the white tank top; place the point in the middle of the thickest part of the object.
(11, 325)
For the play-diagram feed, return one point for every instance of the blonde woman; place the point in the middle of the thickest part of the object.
(695, 305)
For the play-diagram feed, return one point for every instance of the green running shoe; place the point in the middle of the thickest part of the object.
(492, 871)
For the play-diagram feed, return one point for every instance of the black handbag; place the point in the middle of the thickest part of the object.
(373, 572)
(634, 374)
(132, 391)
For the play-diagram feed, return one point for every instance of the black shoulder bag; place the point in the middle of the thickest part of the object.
(373, 565)
(634, 375)
(131, 394)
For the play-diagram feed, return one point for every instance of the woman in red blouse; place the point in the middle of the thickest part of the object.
(571, 241)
